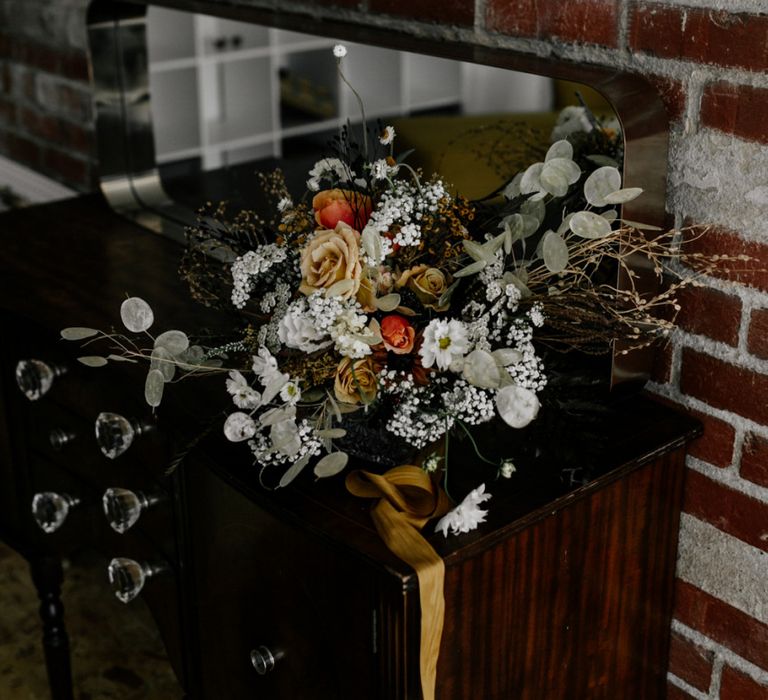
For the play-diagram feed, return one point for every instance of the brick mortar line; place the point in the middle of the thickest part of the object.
(721, 351)
(731, 7)
(723, 653)
(729, 477)
(623, 27)
(687, 687)
(55, 145)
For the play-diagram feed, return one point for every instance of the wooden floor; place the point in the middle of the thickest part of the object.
(116, 653)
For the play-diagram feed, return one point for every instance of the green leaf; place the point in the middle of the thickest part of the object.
(331, 464)
(294, 471)
(478, 252)
(371, 240)
(92, 360)
(78, 333)
(554, 252)
(136, 315)
(332, 433)
(472, 269)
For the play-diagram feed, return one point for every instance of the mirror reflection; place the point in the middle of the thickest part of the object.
(230, 99)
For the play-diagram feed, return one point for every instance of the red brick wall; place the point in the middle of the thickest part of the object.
(46, 117)
(709, 65)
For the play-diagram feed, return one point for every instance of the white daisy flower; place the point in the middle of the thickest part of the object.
(264, 365)
(387, 136)
(290, 393)
(444, 343)
(339, 50)
(467, 515)
(242, 394)
(507, 469)
(283, 204)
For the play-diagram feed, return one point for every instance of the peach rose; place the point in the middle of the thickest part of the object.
(428, 283)
(332, 206)
(329, 257)
(398, 334)
(355, 381)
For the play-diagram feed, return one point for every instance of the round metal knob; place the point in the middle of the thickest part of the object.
(128, 577)
(123, 507)
(115, 433)
(58, 437)
(264, 660)
(35, 377)
(50, 509)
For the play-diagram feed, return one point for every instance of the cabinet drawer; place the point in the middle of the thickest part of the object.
(262, 582)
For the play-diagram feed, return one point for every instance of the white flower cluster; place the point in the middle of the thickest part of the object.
(381, 170)
(469, 404)
(315, 322)
(279, 297)
(309, 445)
(246, 267)
(331, 169)
(401, 210)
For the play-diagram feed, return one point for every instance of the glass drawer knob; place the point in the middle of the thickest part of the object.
(50, 509)
(128, 576)
(264, 660)
(35, 377)
(123, 507)
(58, 437)
(115, 434)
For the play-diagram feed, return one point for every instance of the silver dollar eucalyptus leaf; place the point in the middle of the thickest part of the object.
(587, 224)
(77, 333)
(507, 356)
(175, 342)
(163, 360)
(559, 149)
(554, 252)
(371, 241)
(601, 183)
(295, 469)
(478, 252)
(535, 208)
(153, 387)
(136, 315)
(517, 405)
(481, 370)
(389, 302)
(92, 360)
(120, 358)
(625, 195)
(331, 464)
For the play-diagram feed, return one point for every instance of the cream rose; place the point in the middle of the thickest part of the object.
(331, 256)
(355, 381)
(428, 283)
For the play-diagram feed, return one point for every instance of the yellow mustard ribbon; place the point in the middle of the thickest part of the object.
(408, 498)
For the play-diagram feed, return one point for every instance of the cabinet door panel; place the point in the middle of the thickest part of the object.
(263, 582)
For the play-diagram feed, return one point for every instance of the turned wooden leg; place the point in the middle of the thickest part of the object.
(47, 577)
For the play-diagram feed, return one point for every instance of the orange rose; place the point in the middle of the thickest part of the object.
(398, 334)
(332, 206)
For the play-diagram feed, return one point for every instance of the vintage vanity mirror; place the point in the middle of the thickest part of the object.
(203, 101)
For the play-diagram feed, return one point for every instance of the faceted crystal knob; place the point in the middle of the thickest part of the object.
(59, 437)
(128, 576)
(264, 660)
(35, 377)
(50, 509)
(123, 507)
(115, 434)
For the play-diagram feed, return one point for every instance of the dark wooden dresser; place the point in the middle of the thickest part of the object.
(565, 593)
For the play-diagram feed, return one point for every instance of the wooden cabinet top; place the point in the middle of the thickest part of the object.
(72, 263)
